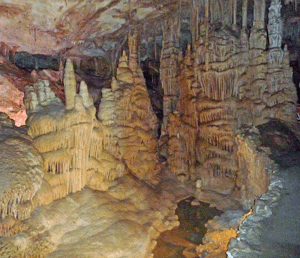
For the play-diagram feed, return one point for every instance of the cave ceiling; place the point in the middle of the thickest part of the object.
(97, 27)
(82, 27)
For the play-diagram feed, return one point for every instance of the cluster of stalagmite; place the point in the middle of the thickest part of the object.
(62, 134)
(228, 81)
(38, 96)
(78, 149)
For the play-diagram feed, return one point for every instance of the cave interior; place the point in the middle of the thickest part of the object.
(136, 128)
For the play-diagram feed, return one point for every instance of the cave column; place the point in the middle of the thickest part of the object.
(206, 10)
(244, 34)
(206, 33)
(275, 25)
(234, 25)
(259, 14)
(168, 70)
(244, 14)
(195, 21)
(258, 35)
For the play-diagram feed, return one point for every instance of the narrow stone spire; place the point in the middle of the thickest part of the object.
(133, 50)
(84, 93)
(69, 84)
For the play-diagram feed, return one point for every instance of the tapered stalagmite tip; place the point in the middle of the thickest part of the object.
(87, 99)
(69, 84)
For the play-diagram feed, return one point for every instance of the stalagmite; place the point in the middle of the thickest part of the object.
(84, 93)
(69, 84)
(206, 34)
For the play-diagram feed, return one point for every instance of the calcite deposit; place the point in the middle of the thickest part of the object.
(128, 123)
(122, 222)
(21, 170)
(78, 149)
(228, 81)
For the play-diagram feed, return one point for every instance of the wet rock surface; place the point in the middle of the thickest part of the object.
(183, 240)
(273, 229)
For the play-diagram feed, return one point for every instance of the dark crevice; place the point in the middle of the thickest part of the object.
(151, 73)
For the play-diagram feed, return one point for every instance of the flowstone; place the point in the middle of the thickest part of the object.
(21, 171)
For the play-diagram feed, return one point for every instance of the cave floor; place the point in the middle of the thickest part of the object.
(280, 235)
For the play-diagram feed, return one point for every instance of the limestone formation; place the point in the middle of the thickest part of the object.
(128, 122)
(84, 93)
(102, 183)
(168, 69)
(63, 138)
(226, 82)
(21, 171)
(79, 150)
(219, 232)
(70, 84)
(11, 98)
(121, 222)
(38, 96)
(275, 25)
